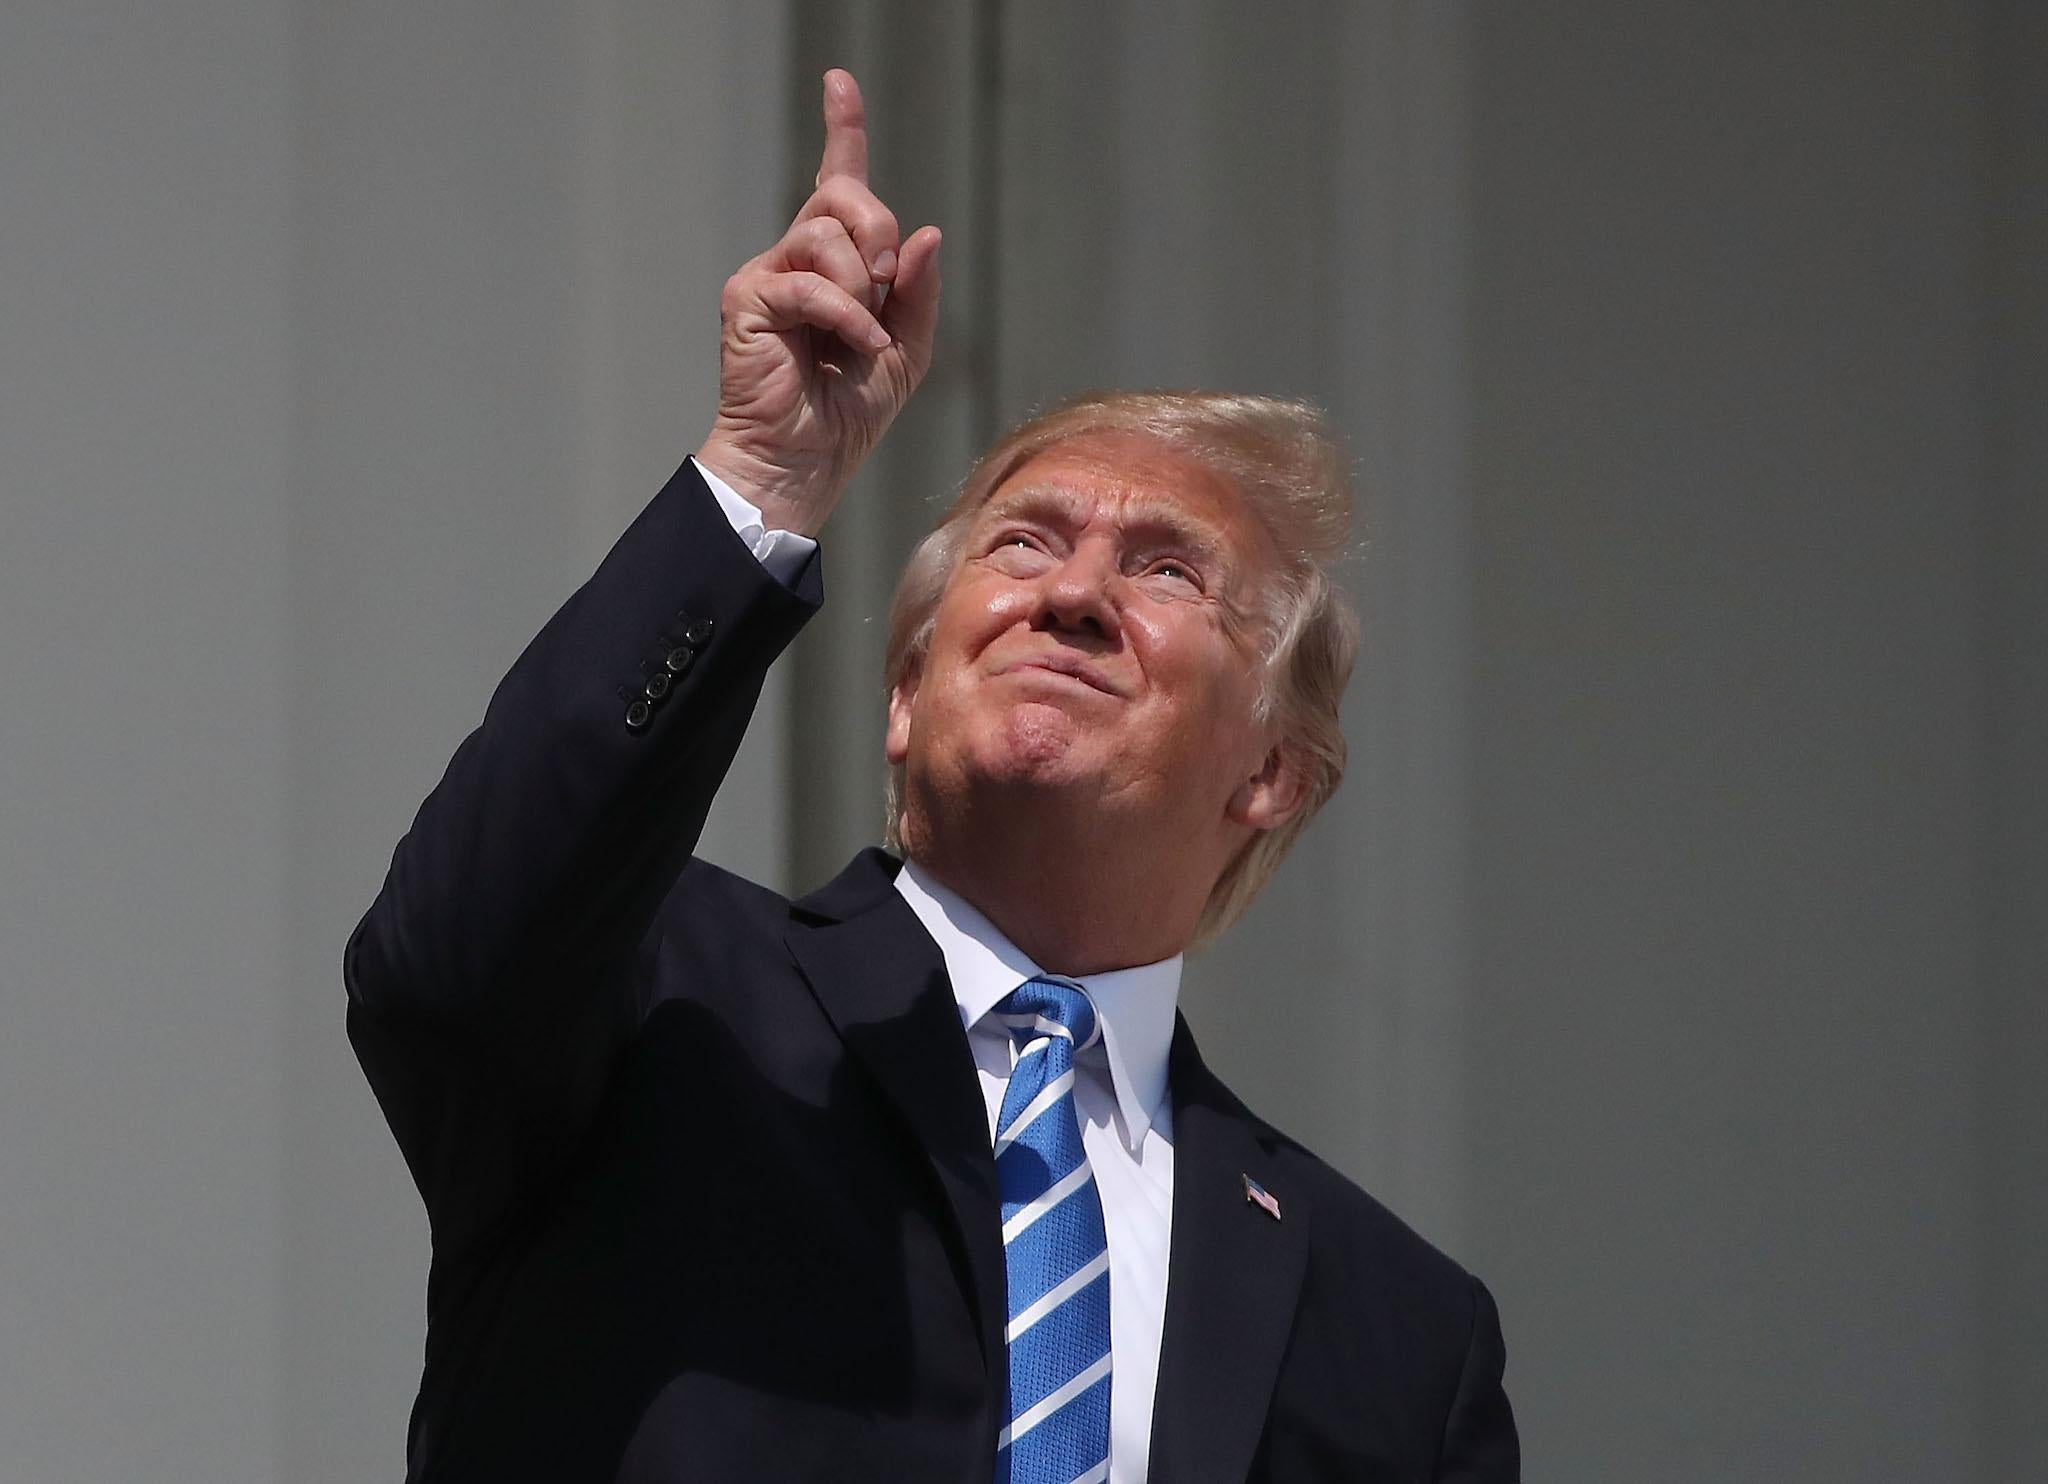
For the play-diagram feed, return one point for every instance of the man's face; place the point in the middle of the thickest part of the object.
(1100, 638)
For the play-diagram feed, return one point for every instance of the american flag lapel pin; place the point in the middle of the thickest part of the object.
(1261, 1197)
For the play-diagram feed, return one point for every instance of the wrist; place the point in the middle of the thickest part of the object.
(788, 499)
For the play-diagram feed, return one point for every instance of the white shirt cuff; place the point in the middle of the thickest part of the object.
(783, 553)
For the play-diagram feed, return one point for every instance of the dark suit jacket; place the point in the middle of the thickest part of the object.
(708, 1170)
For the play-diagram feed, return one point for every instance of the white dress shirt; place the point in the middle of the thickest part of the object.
(1126, 1127)
(1120, 1088)
(783, 553)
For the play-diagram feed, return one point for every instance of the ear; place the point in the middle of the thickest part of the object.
(1273, 795)
(896, 739)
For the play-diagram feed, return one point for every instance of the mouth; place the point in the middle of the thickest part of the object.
(1071, 666)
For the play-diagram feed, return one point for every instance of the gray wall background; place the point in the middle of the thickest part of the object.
(1675, 952)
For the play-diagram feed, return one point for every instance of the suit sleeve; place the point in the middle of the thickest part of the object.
(1480, 1445)
(491, 984)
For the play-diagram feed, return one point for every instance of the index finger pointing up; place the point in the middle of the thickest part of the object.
(846, 129)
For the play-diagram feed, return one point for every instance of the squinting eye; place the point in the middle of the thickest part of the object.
(1018, 552)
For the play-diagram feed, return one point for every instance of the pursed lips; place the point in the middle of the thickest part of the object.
(1065, 664)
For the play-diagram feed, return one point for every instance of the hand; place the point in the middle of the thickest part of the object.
(825, 336)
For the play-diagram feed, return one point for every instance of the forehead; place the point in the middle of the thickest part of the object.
(1132, 480)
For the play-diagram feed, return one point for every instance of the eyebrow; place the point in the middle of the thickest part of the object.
(1144, 518)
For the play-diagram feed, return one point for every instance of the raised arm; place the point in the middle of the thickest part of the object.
(490, 982)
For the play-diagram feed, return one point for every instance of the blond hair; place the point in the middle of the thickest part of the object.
(1292, 475)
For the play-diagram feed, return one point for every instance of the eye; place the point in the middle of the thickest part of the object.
(1016, 551)
(1172, 575)
(1016, 543)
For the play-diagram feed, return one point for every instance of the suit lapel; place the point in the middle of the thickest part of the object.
(882, 981)
(1233, 1279)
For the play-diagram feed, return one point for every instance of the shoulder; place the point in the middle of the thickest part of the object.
(723, 928)
(705, 886)
(1385, 1313)
(712, 903)
(1362, 1241)
(719, 946)
(1366, 1260)
(714, 915)
(1361, 1253)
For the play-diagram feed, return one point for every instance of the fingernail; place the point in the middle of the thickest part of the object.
(885, 266)
(878, 338)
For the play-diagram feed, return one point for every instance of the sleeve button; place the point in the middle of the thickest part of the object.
(637, 716)
(698, 634)
(657, 685)
(678, 659)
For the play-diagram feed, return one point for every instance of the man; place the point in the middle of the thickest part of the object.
(919, 1177)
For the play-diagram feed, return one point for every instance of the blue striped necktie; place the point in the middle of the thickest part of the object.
(1057, 1429)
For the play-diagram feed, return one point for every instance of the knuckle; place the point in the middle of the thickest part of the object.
(831, 239)
(826, 200)
(857, 208)
(882, 224)
(849, 272)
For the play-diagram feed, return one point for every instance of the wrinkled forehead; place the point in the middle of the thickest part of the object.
(1140, 516)
(1140, 485)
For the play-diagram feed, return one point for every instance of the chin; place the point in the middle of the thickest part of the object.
(1034, 743)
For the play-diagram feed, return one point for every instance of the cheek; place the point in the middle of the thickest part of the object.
(1218, 715)
(992, 606)
(1188, 656)
(975, 609)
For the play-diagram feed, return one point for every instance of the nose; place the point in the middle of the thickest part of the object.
(1075, 595)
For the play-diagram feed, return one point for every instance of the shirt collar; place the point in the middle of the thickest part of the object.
(1135, 1005)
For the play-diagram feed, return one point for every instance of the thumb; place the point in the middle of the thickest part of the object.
(911, 315)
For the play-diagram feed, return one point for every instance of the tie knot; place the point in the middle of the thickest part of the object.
(1039, 1007)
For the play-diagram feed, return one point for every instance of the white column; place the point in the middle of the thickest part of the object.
(512, 226)
(145, 620)
(1727, 734)
(2013, 1131)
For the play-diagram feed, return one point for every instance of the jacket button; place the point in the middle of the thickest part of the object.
(698, 634)
(637, 716)
(657, 685)
(678, 659)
